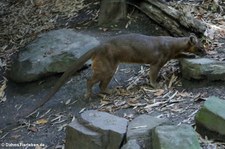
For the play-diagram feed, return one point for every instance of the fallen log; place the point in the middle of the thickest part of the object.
(176, 22)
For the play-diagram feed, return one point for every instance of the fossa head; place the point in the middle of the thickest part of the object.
(195, 46)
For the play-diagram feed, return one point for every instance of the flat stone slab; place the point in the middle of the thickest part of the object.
(175, 137)
(210, 119)
(78, 136)
(52, 52)
(140, 128)
(105, 121)
(203, 68)
(100, 129)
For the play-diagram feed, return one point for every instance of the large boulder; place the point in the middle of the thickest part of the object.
(50, 53)
(95, 129)
(175, 137)
(80, 136)
(210, 119)
(203, 68)
(140, 129)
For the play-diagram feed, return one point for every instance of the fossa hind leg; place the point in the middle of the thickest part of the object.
(103, 71)
(153, 74)
(90, 82)
(106, 77)
(105, 81)
(96, 77)
(104, 84)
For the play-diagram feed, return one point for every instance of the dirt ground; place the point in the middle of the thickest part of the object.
(178, 101)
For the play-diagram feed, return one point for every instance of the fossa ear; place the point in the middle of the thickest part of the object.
(193, 40)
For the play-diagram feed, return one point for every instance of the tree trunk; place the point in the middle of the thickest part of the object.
(111, 11)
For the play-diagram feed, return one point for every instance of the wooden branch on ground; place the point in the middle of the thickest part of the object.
(176, 22)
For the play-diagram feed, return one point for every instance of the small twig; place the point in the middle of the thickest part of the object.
(4, 135)
(114, 78)
(31, 114)
(45, 113)
(171, 97)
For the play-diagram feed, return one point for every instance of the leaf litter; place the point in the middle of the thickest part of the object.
(26, 19)
(211, 13)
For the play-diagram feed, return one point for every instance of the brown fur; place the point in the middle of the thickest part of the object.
(130, 48)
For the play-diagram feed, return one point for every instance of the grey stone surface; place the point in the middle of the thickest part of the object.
(96, 130)
(140, 128)
(112, 127)
(210, 119)
(131, 144)
(175, 137)
(203, 68)
(78, 136)
(50, 53)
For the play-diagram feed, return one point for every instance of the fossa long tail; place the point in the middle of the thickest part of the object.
(68, 73)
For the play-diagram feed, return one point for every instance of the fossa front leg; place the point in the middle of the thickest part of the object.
(153, 74)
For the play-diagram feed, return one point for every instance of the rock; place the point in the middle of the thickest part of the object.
(109, 128)
(131, 144)
(50, 53)
(82, 137)
(175, 137)
(140, 128)
(210, 119)
(203, 68)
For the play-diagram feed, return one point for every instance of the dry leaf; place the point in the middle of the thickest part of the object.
(41, 121)
(171, 97)
(33, 129)
(45, 113)
(15, 136)
(183, 94)
(2, 91)
(57, 118)
(200, 97)
(136, 104)
(154, 105)
(60, 128)
(68, 101)
(120, 103)
(172, 80)
(159, 92)
(82, 110)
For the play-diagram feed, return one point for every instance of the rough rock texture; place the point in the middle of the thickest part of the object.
(175, 137)
(203, 68)
(50, 53)
(210, 119)
(97, 129)
(140, 128)
(79, 136)
(131, 144)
